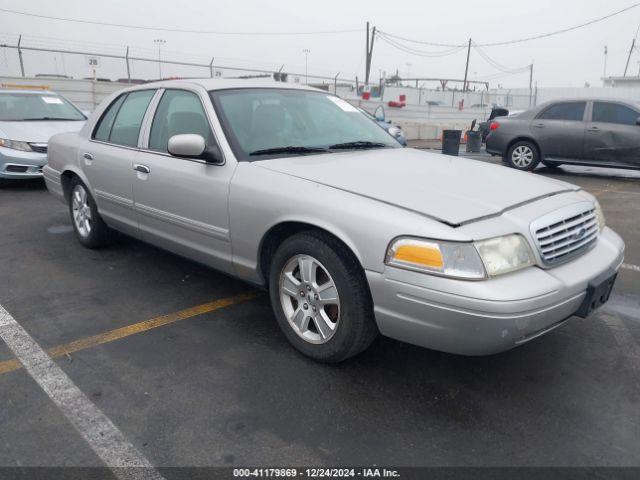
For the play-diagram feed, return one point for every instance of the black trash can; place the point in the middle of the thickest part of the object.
(451, 142)
(474, 141)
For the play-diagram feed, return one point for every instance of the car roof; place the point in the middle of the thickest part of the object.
(225, 84)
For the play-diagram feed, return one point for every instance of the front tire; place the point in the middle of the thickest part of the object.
(320, 297)
(523, 155)
(90, 229)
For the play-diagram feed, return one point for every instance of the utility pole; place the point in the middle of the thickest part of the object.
(606, 54)
(633, 45)
(126, 57)
(466, 70)
(306, 52)
(369, 53)
(20, 56)
(530, 84)
(159, 42)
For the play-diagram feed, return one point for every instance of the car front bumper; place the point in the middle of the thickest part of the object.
(16, 164)
(491, 316)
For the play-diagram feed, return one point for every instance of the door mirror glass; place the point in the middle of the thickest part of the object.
(379, 114)
(638, 121)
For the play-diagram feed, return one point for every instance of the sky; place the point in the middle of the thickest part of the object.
(568, 60)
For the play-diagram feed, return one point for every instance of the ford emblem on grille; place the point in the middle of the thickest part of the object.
(581, 233)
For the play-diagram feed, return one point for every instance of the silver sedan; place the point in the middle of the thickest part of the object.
(28, 118)
(295, 190)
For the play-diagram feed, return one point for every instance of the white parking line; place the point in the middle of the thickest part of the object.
(628, 266)
(98, 431)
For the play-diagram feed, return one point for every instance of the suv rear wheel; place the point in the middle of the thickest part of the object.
(320, 297)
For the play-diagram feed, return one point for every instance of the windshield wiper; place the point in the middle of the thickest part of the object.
(358, 144)
(291, 149)
(61, 119)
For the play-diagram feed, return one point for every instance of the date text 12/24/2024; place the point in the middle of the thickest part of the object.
(315, 473)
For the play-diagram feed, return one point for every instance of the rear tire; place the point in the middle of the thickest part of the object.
(320, 297)
(523, 155)
(90, 229)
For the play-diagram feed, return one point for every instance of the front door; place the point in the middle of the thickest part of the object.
(182, 203)
(613, 134)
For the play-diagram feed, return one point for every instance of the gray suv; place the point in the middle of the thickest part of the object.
(581, 132)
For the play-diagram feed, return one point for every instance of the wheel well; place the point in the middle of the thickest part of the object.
(523, 139)
(65, 180)
(278, 234)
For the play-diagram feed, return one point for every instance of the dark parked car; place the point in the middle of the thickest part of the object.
(496, 112)
(581, 132)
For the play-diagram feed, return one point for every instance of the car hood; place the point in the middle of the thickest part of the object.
(449, 189)
(37, 132)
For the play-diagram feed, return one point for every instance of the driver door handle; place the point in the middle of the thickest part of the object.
(141, 168)
(539, 125)
(594, 129)
(87, 156)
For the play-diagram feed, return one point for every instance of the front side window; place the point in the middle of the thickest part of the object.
(604, 112)
(126, 126)
(25, 107)
(571, 111)
(260, 121)
(178, 112)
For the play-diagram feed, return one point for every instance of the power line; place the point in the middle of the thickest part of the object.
(419, 53)
(177, 30)
(521, 40)
(497, 65)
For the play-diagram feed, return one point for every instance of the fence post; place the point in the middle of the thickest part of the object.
(20, 56)
(126, 58)
(211, 67)
(335, 84)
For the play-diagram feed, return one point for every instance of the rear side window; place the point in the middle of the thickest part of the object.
(573, 111)
(178, 112)
(614, 113)
(106, 122)
(126, 126)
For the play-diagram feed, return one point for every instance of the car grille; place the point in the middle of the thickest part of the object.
(39, 147)
(567, 237)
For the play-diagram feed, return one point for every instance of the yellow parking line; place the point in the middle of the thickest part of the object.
(112, 335)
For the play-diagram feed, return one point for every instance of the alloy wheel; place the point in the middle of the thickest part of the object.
(309, 299)
(81, 210)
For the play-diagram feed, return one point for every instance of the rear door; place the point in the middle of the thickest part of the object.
(613, 134)
(107, 158)
(182, 203)
(560, 129)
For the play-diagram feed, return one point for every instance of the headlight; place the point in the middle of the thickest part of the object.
(468, 261)
(460, 260)
(600, 216)
(505, 254)
(24, 146)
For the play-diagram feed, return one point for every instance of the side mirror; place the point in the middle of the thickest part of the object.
(394, 131)
(190, 145)
(379, 114)
(638, 121)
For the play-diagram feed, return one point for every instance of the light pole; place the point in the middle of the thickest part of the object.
(306, 52)
(159, 42)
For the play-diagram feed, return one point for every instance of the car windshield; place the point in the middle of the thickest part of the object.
(23, 107)
(263, 122)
